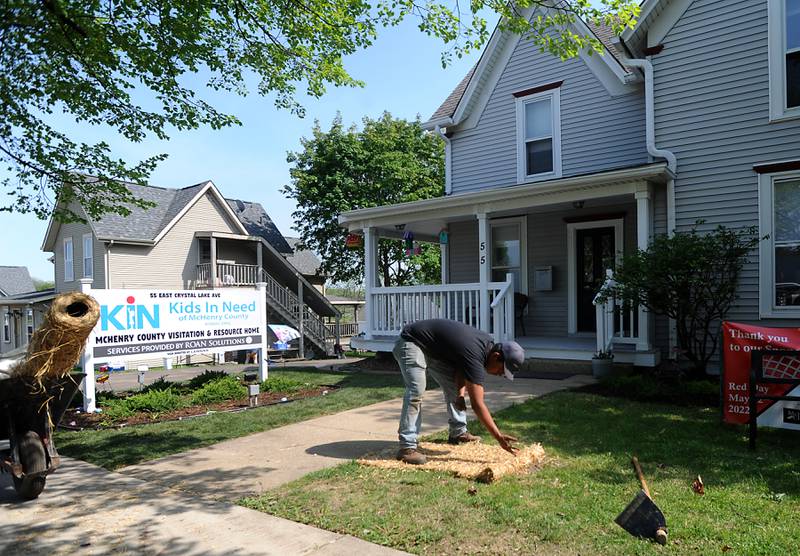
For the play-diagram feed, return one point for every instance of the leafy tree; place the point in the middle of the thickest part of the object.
(43, 284)
(387, 161)
(124, 63)
(692, 278)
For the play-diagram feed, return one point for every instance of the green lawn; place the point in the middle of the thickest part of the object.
(114, 448)
(751, 505)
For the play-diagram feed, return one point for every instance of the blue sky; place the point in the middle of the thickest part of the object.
(403, 75)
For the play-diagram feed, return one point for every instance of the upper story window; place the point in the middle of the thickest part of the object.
(69, 269)
(779, 254)
(88, 256)
(538, 136)
(784, 59)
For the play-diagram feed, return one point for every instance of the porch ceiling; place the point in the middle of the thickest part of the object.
(430, 215)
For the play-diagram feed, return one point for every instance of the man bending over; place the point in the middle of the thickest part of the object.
(458, 358)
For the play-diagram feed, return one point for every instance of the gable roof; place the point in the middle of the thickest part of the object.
(258, 223)
(656, 19)
(15, 280)
(304, 260)
(148, 225)
(459, 98)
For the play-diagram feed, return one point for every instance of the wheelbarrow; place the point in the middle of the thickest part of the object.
(28, 415)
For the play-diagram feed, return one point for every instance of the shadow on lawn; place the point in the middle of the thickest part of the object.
(352, 449)
(671, 443)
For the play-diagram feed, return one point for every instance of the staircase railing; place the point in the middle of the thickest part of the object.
(285, 299)
(617, 322)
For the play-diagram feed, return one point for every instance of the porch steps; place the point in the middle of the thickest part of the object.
(579, 350)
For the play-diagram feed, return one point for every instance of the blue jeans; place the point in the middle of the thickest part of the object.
(413, 365)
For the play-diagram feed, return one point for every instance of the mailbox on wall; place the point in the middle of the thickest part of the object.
(543, 278)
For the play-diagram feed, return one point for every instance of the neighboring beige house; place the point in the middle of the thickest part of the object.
(192, 238)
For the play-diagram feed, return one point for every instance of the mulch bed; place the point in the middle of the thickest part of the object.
(75, 419)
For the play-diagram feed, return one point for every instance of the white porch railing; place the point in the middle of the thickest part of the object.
(617, 322)
(389, 309)
(228, 274)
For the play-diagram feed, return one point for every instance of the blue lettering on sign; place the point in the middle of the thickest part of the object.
(135, 317)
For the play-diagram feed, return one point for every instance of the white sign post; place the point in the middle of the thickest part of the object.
(137, 324)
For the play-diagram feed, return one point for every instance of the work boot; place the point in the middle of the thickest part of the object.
(412, 456)
(463, 438)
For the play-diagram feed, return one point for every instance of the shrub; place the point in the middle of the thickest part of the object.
(155, 401)
(220, 390)
(282, 384)
(161, 384)
(692, 278)
(115, 410)
(205, 377)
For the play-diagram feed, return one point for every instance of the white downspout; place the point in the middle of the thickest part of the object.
(448, 180)
(650, 135)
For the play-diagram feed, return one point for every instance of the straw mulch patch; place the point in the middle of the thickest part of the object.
(484, 463)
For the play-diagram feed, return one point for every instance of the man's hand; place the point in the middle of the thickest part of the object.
(505, 441)
(460, 403)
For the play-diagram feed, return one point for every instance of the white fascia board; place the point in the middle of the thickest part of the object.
(430, 125)
(208, 187)
(663, 22)
(642, 22)
(561, 190)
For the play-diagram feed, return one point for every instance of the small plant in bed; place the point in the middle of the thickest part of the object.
(204, 378)
(219, 390)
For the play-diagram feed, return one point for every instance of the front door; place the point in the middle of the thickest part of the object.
(595, 251)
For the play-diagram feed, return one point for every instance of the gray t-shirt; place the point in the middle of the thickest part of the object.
(457, 344)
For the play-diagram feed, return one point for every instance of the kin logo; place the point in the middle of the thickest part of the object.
(128, 317)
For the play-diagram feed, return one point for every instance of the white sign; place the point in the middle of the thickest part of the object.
(163, 323)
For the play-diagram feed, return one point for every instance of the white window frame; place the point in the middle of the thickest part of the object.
(777, 63)
(90, 257)
(69, 264)
(766, 248)
(522, 222)
(572, 263)
(555, 112)
(6, 327)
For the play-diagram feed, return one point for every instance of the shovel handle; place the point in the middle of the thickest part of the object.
(640, 475)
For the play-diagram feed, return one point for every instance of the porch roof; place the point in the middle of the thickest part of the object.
(625, 181)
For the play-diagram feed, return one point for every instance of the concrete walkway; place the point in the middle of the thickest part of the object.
(87, 510)
(253, 464)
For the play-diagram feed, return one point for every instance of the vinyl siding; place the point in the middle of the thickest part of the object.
(172, 262)
(712, 111)
(598, 131)
(75, 230)
(462, 252)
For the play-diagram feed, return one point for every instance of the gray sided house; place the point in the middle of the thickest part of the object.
(21, 308)
(193, 238)
(556, 169)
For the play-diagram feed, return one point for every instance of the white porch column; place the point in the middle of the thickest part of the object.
(445, 259)
(644, 232)
(301, 309)
(213, 242)
(259, 260)
(484, 269)
(370, 278)
(87, 361)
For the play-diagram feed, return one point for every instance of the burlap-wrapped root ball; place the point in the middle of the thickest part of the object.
(57, 344)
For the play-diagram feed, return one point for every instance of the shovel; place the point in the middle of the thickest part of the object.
(642, 518)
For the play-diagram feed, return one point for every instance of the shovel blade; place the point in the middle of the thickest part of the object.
(642, 518)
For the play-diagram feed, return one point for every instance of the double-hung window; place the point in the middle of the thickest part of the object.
(538, 136)
(6, 327)
(780, 253)
(88, 256)
(69, 269)
(784, 59)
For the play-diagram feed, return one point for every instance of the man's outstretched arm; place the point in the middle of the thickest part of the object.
(485, 417)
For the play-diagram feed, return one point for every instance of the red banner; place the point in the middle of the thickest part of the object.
(739, 340)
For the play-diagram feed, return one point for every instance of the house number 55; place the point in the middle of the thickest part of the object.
(483, 255)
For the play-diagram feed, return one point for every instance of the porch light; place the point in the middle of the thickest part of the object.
(577, 204)
(399, 227)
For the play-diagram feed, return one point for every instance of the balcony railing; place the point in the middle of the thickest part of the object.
(227, 275)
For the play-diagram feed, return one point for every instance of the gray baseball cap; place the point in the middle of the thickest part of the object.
(513, 358)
